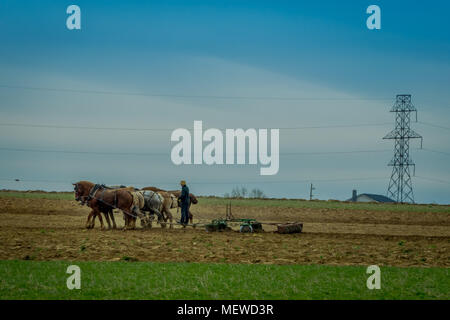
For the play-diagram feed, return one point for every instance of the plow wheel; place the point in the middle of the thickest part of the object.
(257, 227)
(246, 228)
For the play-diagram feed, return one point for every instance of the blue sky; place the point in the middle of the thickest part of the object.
(320, 51)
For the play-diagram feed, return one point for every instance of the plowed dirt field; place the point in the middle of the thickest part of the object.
(43, 229)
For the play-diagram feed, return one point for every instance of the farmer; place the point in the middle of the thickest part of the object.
(184, 198)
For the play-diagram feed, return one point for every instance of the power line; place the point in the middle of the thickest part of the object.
(435, 151)
(433, 179)
(331, 126)
(215, 182)
(338, 126)
(434, 125)
(236, 182)
(51, 126)
(166, 154)
(83, 152)
(170, 95)
(332, 152)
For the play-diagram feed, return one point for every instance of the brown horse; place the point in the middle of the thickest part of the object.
(101, 199)
(109, 213)
(177, 193)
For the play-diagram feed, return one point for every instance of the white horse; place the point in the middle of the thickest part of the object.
(151, 202)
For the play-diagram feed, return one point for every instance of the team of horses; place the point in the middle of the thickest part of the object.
(145, 204)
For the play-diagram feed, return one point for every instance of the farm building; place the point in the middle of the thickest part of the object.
(367, 197)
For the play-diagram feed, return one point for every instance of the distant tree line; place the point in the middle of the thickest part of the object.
(242, 192)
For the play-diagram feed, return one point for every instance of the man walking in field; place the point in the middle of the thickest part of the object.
(184, 198)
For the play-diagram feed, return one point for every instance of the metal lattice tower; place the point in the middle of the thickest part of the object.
(400, 186)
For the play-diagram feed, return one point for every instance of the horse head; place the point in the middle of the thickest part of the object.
(82, 189)
(193, 199)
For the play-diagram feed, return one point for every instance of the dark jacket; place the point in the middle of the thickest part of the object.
(184, 195)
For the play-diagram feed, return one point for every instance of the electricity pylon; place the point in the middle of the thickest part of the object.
(400, 186)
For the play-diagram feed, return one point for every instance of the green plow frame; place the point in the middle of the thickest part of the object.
(246, 225)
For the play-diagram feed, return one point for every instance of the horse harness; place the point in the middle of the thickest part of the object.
(152, 200)
(103, 187)
(94, 191)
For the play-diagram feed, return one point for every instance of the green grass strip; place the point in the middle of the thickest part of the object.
(146, 280)
(38, 195)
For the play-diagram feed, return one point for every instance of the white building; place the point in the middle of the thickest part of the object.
(368, 197)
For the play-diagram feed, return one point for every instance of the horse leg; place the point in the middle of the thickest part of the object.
(99, 214)
(191, 217)
(111, 213)
(127, 223)
(88, 223)
(94, 215)
(125, 220)
(161, 218)
(130, 222)
(141, 217)
(150, 221)
(107, 219)
(169, 216)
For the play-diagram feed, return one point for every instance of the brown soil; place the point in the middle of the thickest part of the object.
(40, 229)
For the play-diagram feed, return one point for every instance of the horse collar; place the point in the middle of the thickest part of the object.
(93, 191)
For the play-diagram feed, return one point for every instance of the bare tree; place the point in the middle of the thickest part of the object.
(257, 194)
(239, 192)
(236, 192)
(242, 192)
